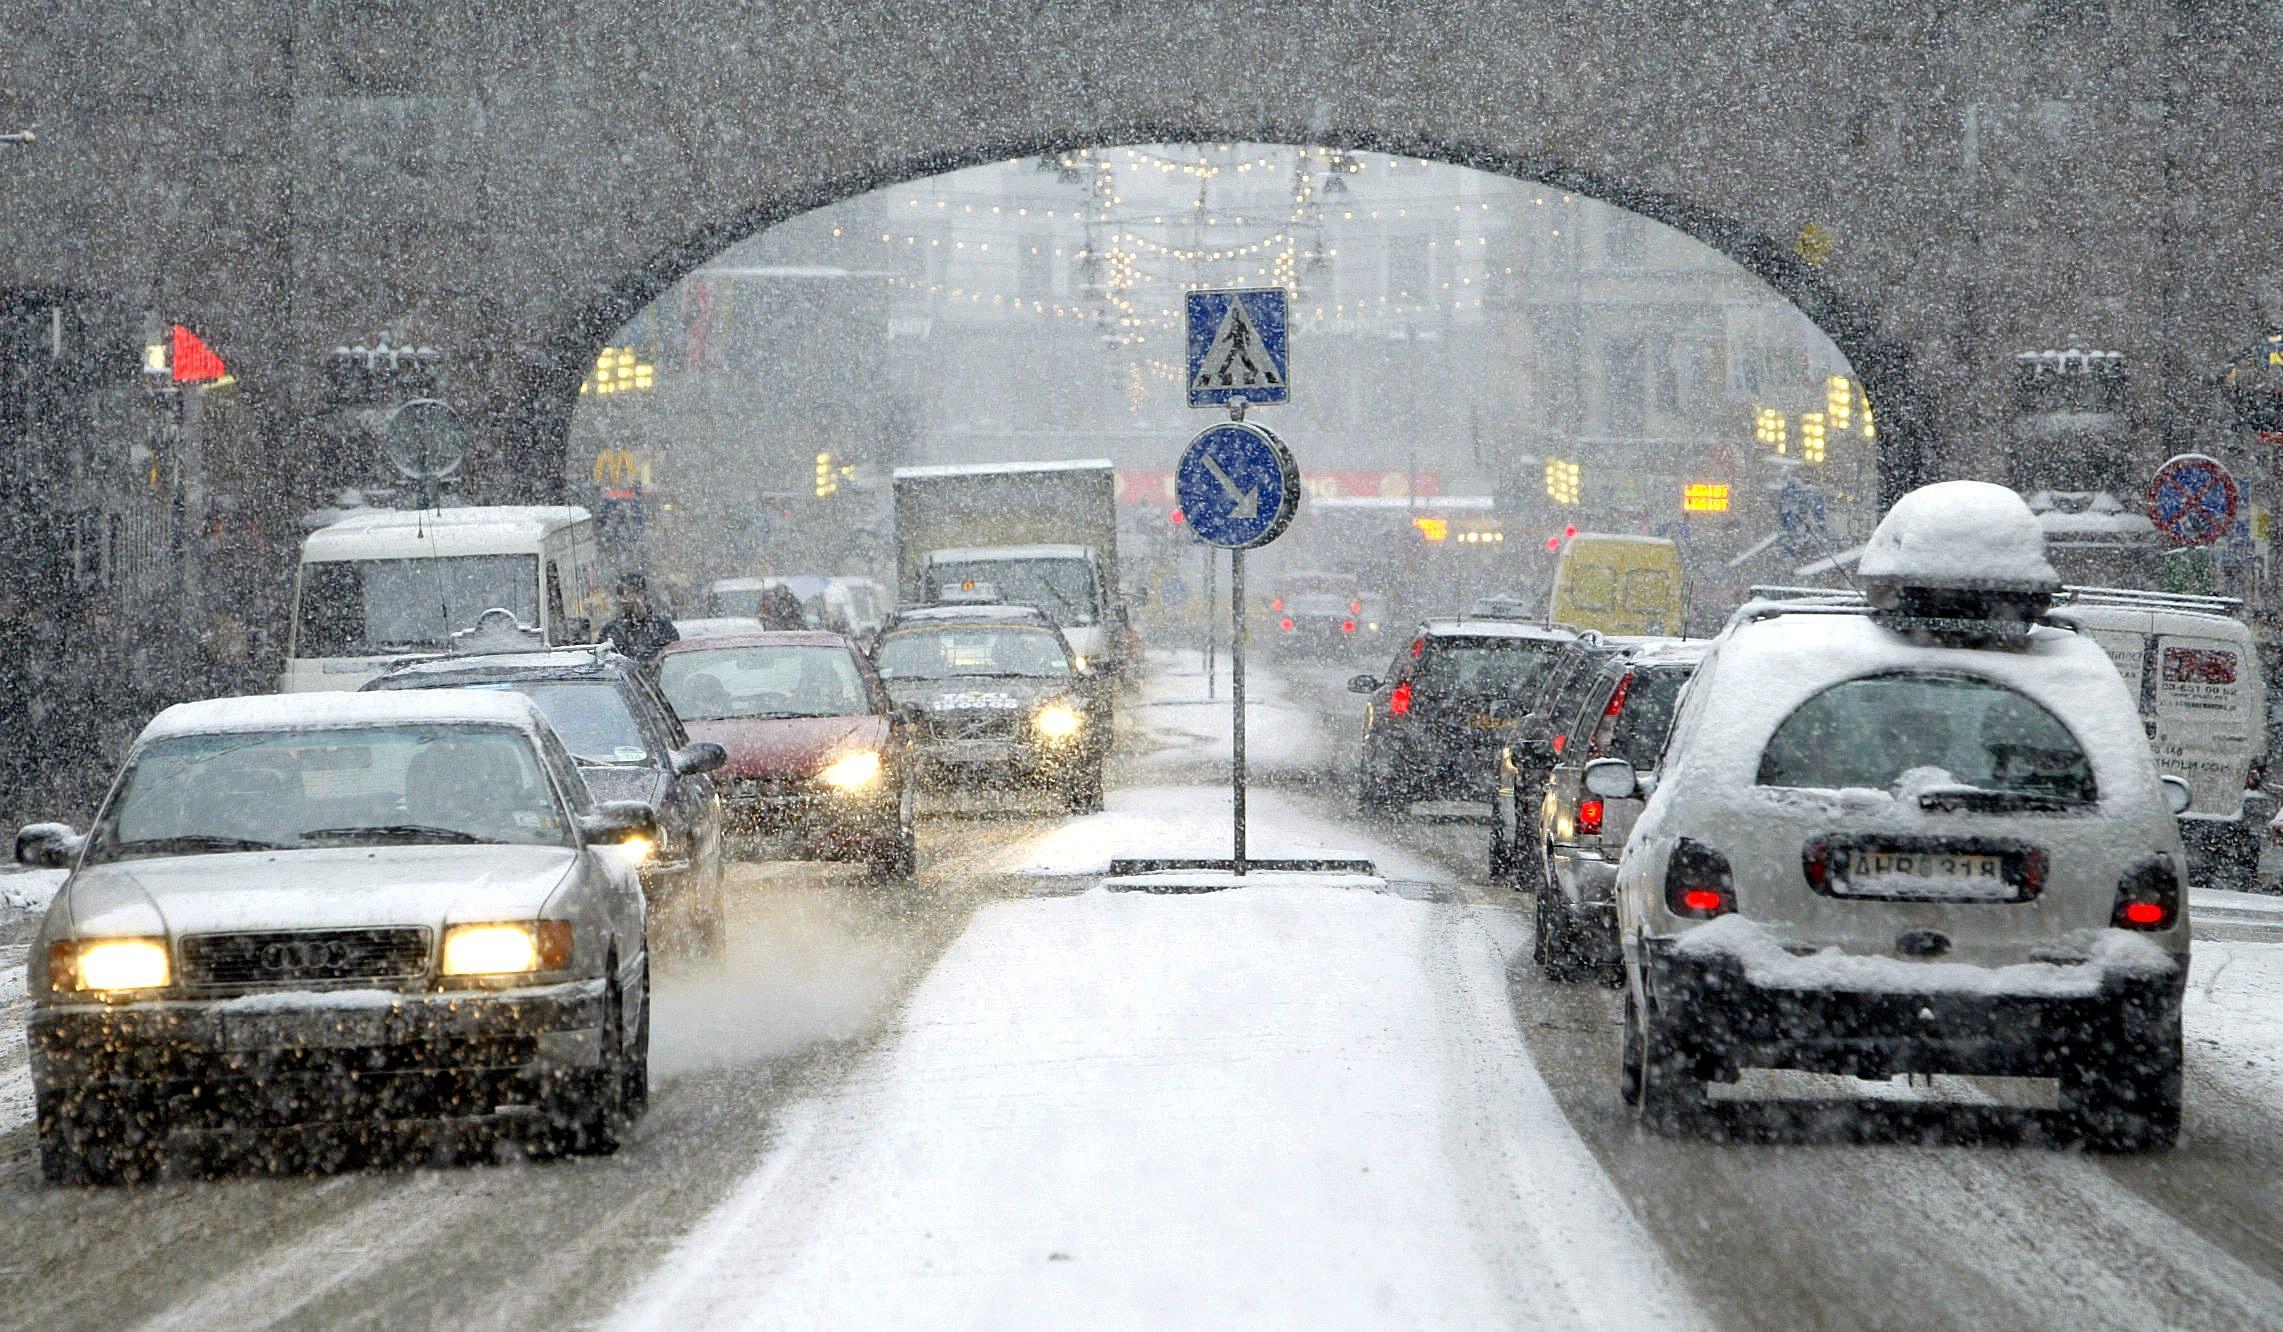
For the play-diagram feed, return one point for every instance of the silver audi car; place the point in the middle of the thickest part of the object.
(313, 908)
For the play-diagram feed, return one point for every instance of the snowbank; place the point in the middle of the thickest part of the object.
(30, 890)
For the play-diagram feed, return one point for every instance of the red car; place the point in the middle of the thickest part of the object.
(820, 759)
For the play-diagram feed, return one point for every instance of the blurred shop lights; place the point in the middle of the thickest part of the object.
(1704, 497)
(618, 370)
(1564, 481)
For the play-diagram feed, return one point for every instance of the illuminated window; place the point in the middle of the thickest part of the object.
(1770, 429)
(1838, 401)
(1564, 481)
(1433, 529)
(1811, 436)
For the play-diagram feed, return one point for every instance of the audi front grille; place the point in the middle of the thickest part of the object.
(299, 957)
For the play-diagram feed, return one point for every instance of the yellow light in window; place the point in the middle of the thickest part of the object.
(1869, 431)
(1811, 436)
(1770, 428)
(1838, 401)
(1564, 481)
(1433, 529)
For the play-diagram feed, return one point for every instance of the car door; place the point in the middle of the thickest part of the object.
(625, 910)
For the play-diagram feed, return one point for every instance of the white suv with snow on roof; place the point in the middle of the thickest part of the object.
(1919, 835)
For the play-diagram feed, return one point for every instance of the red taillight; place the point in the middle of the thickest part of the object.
(1617, 700)
(1347, 626)
(1399, 702)
(1418, 647)
(1561, 741)
(1697, 883)
(1355, 608)
(1285, 623)
(1277, 604)
(1589, 816)
(2148, 897)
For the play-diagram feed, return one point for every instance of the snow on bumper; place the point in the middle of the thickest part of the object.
(1736, 997)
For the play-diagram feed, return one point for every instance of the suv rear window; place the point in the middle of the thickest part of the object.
(1646, 717)
(1949, 730)
(1486, 667)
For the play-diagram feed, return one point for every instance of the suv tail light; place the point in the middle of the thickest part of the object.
(1347, 626)
(1698, 885)
(1399, 702)
(1589, 816)
(1285, 624)
(1617, 698)
(2148, 897)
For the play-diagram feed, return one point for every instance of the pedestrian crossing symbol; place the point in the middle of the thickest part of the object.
(1237, 347)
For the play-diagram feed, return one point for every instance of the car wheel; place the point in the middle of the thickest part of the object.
(1084, 795)
(898, 854)
(1557, 951)
(1665, 1090)
(1501, 851)
(2132, 1102)
(634, 1096)
(1373, 798)
(586, 1115)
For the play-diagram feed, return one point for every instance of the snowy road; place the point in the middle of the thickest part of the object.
(1012, 1098)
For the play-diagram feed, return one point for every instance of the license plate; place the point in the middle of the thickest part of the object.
(1483, 721)
(1964, 876)
(314, 1029)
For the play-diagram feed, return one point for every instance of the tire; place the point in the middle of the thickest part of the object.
(1657, 1078)
(1373, 798)
(1084, 794)
(634, 1096)
(1501, 853)
(898, 854)
(586, 1111)
(1556, 952)
(2132, 1102)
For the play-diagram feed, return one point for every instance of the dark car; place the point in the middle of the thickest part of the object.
(1328, 625)
(820, 759)
(1530, 748)
(1001, 698)
(629, 745)
(1436, 721)
(1625, 712)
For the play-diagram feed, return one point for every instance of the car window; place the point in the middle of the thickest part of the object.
(594, 719)
(330, 787)
(777, 680)
(937, 652)
(661, 710)
(1637, 733)
(1939, 728)
(568, 779)
(1485, 667)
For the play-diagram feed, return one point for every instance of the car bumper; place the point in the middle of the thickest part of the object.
(302, 1058)
(1452, 765)
(811, 825)
(1726, 1022)
(999, 762)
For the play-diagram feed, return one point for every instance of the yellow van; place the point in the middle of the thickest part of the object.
(1618, 585)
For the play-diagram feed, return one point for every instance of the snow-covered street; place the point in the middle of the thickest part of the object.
(1011, 1095)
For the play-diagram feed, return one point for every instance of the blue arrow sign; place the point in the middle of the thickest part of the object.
(1238, 342)
(1237, 485)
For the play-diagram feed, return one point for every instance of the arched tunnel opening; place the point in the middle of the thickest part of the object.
(1483, 362)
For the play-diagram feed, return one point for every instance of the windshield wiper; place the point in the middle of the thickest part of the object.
(199, 842)
(590, 761)
(413, 832)
(1982, 800)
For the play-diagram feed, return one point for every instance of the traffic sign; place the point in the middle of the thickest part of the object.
(2193, 499)
(1238, 341)
(1238, 486)
(424, 440)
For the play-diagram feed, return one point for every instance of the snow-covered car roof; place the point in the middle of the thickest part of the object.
(1761, 670)
(468, 531)
(997, 614)
(1472, 627)
(290, 712)
(716, 625)
(995, 469)
(979, 554)
(1670, 652)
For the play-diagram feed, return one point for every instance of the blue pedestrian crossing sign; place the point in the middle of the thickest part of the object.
(1238, 345)
(1237, 485)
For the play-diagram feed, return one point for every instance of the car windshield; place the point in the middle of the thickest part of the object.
(1937, 730)
(1063, 588)
(1486, 667)
(597, 724)
(354, 608)
(332, 786)
(808, 680)
(954, 650)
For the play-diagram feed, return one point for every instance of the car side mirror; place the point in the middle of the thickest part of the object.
(615, 821)
(48, 845)
(1612, 779)
(698, 756)
(2176, 796)
(1363, 684)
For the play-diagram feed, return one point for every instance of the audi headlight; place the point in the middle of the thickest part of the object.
(1058, 721)
(852, 772)
(109, 964)
(507, 947)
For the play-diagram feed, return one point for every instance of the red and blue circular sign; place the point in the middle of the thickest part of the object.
(2193, 499)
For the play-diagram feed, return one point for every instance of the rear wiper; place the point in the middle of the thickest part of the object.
(200, 842)
(417, 832)
(1981, 800)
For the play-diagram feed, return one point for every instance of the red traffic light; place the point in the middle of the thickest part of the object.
(1177, 518)
(1569, 531)
(1553, 543)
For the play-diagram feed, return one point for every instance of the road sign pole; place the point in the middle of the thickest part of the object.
(1212, 621)
(1237, 696)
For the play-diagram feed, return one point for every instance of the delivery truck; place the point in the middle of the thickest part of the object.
(1032, 534)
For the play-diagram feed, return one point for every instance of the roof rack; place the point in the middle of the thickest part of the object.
(2133, 596)
(1779, 592)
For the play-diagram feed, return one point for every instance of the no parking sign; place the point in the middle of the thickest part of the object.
(2193, 499)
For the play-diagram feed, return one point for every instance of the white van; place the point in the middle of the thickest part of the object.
(378, 588)
(2194, 669)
